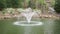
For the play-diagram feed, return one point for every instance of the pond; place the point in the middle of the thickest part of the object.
(50, 26)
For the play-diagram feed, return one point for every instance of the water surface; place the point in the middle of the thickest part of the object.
(50, 26)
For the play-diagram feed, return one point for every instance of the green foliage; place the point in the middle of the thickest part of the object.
(41, 1)
(57, 6)
(10, 4)
(13, 3)
(17, 3)
(31, 4)
(2, 4)
(52, 3)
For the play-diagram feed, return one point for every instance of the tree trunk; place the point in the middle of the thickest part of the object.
(25, 4)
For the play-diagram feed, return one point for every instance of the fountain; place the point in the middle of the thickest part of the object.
(28, 24)
(28, 13)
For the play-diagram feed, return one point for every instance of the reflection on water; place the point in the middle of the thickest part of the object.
(51, 26)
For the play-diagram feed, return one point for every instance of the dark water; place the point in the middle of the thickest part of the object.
(50, 26)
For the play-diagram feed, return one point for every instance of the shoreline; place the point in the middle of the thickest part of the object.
(39, 16)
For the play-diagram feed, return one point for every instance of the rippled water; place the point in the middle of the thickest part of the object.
(50, 26)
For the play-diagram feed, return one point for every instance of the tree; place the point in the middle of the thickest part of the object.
(2, 4)
(57, 6)
(8, 4)
(12, 3)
